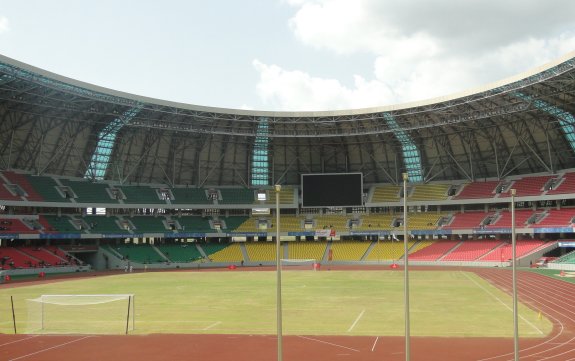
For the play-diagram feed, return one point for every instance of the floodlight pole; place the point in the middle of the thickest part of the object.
(405, 270)
(514, 272)
(278, 188)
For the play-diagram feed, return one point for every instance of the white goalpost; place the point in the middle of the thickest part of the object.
(304, 264)
(82, 314)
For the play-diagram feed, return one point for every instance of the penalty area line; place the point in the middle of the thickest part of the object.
(211, 326)
(356, 321)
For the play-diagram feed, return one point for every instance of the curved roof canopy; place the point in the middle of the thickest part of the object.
(56, 125)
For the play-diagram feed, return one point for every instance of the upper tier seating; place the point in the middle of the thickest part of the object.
(22, 181)
(386, 193)
(478, 190)
(190, 196)
(47, 188)
(286, 196)
(472, 250)
(429, 192)
(528, 186)
(140, 195)
(567, 185)
(468, 220)
(89, 192)
(237, 196)
(5, 193)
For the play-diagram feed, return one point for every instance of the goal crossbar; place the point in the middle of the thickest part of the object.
(78, 313)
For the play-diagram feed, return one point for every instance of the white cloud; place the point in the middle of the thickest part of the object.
(4, 24)
(296, 90)
(420, 49)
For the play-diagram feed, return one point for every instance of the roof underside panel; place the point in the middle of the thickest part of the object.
(48, 126)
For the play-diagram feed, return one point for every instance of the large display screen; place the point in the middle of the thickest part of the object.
(332, 190)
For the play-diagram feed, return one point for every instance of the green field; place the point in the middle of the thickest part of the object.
(443, 303)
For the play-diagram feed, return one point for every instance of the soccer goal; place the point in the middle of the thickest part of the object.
(299, 264)
(82, 314)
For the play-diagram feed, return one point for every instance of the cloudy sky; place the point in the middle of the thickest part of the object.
(287, 54)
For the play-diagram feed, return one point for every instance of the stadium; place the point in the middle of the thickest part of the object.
(133, 208)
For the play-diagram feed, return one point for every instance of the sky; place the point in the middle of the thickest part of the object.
(287, 55)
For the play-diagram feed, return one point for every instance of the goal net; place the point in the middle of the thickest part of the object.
(81, 314)
(303, 264)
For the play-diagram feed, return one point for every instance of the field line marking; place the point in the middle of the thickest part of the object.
(212, 325)
(356, 321)
(328, 343)
(50, 348)
(375, 343)
(503, 303)
(24, 339)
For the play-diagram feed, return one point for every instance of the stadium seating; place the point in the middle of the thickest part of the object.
(15, 258)
(140, 195)
(569, 258)
(340, 223)
(142, 253)
(236, 196)
(190, 196)
(429, 192)
(223, 252)
(434, 251)
(22, 181)
(5, 194)
(387, 250)
(148, 224)
(386, 193)
(472, 250)
(47, 188)
(504, 219)
(286, 196)
(186, 252)
(504, 252)
(62, 224)
(475, 190)
(233, 222)
(306, 250)
(194, 224)
(556, 218)
(467, 220)
(262, 251)
(528, 186)
(348, 250)
(14, 225)
(104, 224)
(89, 192)
(566, 185)
(44, 256)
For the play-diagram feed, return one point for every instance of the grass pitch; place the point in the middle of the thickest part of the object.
(442, 303)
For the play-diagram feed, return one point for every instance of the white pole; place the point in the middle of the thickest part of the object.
(405, 270)
(514, 271)
(278, 188)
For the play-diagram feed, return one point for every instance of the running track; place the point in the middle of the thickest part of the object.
(553, 297)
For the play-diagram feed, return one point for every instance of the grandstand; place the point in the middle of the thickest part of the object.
(120, 188)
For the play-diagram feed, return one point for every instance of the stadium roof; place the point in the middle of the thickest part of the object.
(56, 125)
